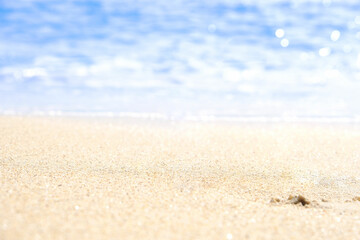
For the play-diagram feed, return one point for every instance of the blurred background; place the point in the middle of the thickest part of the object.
(214, 58)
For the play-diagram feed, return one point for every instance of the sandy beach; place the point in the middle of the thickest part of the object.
(67, 178)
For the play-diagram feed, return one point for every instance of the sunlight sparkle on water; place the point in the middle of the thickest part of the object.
(335, 35)
(284, 43)
(279, 33)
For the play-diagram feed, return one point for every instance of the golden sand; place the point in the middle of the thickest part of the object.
(115, 179)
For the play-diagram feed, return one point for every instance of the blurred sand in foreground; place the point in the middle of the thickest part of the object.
(115, 179)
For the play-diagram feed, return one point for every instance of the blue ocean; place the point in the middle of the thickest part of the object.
(265, 59)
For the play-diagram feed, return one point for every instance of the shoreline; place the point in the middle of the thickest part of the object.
(216, 118)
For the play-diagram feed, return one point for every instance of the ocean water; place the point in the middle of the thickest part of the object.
(202, 59)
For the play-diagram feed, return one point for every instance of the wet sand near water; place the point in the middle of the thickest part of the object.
(64, 178)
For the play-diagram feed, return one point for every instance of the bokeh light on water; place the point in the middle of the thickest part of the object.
(270, 58)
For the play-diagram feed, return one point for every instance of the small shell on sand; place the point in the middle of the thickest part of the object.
(298, 199)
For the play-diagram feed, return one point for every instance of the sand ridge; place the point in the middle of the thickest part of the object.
(63, 178)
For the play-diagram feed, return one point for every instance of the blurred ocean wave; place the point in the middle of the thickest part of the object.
(272, 59)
